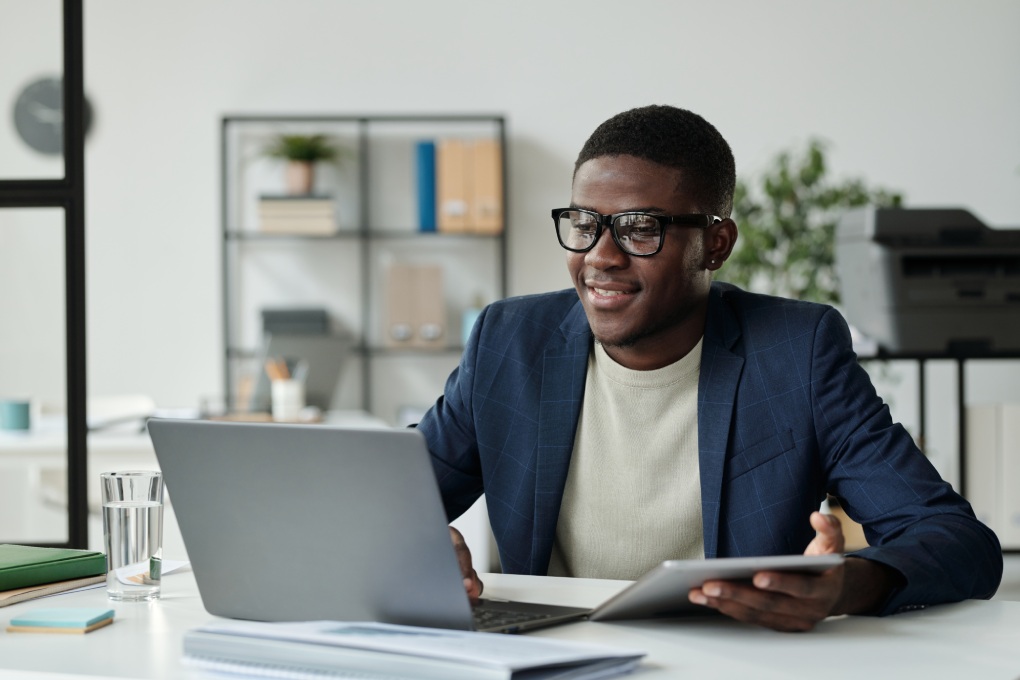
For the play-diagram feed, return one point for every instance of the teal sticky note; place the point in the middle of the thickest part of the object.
(66, 617)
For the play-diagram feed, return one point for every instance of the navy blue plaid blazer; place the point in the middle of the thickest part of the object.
(785, 415)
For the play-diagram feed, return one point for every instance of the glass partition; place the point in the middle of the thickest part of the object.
(31, 127)
(33, 376)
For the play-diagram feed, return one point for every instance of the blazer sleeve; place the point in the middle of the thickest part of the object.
(913, 520)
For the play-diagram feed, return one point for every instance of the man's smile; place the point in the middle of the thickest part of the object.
(608, 293)
(609, 297)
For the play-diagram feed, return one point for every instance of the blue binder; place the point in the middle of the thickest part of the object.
(426, 156)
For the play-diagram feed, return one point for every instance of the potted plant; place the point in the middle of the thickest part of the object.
(302, 152)
(788, 226)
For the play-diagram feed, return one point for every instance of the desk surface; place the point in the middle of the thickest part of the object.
(972, 639)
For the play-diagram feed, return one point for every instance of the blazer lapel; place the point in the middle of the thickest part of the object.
(564, 369)
(717, 388)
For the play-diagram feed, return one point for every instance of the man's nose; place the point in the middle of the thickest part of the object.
(605, 254)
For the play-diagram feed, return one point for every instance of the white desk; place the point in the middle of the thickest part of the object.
(973, 639)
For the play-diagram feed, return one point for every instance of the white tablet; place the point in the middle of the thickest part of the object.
(663, 590)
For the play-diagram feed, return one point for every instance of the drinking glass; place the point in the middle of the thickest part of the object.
(133, 533)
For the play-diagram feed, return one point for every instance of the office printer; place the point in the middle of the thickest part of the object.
(933, 281)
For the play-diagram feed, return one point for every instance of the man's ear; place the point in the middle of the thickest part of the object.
(719, 241)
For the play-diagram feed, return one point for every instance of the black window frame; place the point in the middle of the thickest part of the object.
(68, 193)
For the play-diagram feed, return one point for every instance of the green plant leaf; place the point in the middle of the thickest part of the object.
(787, 226)
(311, 148)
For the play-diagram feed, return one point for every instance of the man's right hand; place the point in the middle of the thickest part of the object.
(472, 584)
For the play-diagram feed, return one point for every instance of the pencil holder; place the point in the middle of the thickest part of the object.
(288, 398)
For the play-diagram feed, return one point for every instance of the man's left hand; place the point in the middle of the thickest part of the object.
(784, 601)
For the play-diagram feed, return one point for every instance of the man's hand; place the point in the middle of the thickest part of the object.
(828, 535)
(472, 584)
(784, 600)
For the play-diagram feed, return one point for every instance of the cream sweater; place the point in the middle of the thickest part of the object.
(633, 492)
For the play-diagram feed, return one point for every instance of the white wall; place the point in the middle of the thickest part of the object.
(914, 95)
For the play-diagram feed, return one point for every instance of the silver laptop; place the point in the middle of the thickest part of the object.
(308, 522)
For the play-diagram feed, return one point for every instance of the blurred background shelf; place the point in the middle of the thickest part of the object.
(342, 247)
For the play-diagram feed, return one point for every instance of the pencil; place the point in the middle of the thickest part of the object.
(277, 369)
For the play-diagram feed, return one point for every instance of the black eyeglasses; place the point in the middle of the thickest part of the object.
(636, 233)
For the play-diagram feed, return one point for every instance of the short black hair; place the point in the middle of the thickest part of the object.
(673, 137)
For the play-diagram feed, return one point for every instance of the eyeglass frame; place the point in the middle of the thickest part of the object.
(701, 220)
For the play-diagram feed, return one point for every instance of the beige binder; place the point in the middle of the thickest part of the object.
(415, 313)
(452, 188)
(430, 308)
(399, 317)
(486, 204)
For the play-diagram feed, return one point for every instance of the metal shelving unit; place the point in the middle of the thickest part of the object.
(362, 232)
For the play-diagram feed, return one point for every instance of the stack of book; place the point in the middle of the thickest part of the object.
(29, 572)
(302, 215)
(460, 186)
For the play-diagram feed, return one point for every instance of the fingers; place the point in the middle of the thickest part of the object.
(800, 586)
(827, 525)
(786, 601)
(730, 604)
(463, 553)
(472, 584)
(828, 535)
(778, 600)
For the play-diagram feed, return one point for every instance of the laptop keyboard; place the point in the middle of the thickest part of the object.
(500, 618)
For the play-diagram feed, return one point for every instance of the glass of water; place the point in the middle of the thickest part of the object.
(133, 533)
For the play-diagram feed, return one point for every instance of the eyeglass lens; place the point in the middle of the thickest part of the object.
(637, 234)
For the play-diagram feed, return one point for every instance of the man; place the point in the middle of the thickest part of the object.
(651, 414)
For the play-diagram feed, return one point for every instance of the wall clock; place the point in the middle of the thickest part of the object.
(39, 115)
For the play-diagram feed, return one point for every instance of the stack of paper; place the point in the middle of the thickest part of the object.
(378, 650)
(15, 595)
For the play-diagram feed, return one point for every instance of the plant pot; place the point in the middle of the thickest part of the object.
(300, 177)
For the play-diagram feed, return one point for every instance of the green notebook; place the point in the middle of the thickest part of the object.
(24, 565)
